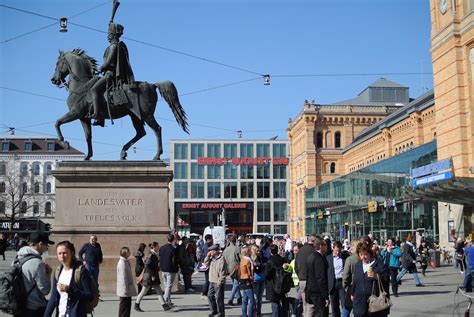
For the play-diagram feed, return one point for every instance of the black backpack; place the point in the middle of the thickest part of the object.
(282, 281)
(13, 294)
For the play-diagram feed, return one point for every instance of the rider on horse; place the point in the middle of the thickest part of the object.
(116, 68)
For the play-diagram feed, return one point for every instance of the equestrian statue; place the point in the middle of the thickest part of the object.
(114, 95)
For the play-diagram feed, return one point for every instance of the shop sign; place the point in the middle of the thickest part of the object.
(320, 214)
(432, 179)
(372, 206)
(433, 168)
(261, 160)
(203, 206)
(389, 203)
(7, 224)
(357, 222)
(313, 215)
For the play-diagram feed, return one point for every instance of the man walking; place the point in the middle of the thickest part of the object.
(232, 258)
(217, 274)
(205, 248)
(317, 292)
(279, 301)
(469, 252)
(169, 266)
(36, 274)
(336, 263)
(300, 267)
(91, 255)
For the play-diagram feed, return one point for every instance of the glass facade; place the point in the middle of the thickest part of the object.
(340, 207)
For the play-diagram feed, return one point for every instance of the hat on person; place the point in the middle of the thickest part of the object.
(36, 237)
(214, 247)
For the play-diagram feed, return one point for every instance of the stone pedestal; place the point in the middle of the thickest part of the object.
(123, 203)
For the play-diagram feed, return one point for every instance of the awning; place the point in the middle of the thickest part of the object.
(459, 190)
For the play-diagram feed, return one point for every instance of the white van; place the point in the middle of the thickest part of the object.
(218, 235)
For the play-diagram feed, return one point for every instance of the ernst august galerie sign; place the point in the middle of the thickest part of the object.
(261, 160)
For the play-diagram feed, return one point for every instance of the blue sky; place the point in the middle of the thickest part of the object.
(276, 37)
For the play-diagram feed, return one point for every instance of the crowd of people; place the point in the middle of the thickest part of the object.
(298, 278)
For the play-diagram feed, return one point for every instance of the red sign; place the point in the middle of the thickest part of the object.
(243, 160)
(214, 205)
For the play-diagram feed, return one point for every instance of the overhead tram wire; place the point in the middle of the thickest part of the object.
(49, 25)
(351, 74)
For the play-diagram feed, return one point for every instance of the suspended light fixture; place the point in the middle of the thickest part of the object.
(266, 80)
(63, 25)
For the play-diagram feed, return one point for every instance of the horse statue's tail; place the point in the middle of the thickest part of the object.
(168, 91)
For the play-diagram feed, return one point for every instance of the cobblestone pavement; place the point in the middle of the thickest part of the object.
(437, 298)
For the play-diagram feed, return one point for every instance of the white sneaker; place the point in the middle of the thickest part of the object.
(203, 297)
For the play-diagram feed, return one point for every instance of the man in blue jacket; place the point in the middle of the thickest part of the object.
(91, 255)
(169, 265)
(391, 256)
(469, 253)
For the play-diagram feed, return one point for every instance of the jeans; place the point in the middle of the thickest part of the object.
(247, 309)
(346, 312)
(215, 296)
(168, 278)
(415, 275)
(94, 271)
(205, 286)
(280, 308)
(258, 289)
(337, 298)
(393, 280)
(235, 290)
(468, 279)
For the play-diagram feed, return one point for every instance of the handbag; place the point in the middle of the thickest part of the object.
(381, 302)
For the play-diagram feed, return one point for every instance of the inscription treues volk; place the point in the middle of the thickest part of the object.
(112, 207)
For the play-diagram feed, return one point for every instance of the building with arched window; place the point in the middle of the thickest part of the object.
(28, 164)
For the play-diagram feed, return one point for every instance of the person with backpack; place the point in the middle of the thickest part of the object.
(274, 293)
(73, 293)
(125, 283)
(30, 278)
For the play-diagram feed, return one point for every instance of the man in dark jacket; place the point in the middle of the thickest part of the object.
(336, 261)
(91, 255)
(279, 301)
(300, 268)
(209, 241)
(169, 266)
(317, 292)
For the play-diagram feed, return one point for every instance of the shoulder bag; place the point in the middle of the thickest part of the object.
(380, 302)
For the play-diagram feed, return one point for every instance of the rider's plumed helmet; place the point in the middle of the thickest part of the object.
(115, 28)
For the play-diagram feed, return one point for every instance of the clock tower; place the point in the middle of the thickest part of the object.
(452, 50)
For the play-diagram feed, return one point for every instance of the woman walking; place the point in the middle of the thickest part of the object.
(151, 278)
(460, 259)
(125, 283)
(246, 282)
(69, 294)
(139, 264)
(391, 255)
(258, 277)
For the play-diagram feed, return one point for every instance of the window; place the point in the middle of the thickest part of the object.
(319, 139)
(337, 140)
(246, 190)
(214, 150)
(48, 188)
(51, 146)
(180, 190)
(197, 150)
(263, 150)
(2, 187)
(280, 229)
(49, 168)
(2, 206)
(230, 150)
(213, 190)
(213, 172)
(263, 190)
(230, 190)
(36, 169)
(246, 150)
(23, 207)
(333, 168)
(279, 150)
(197, 190)
(24, 188)
(180, 170)
(279, 171)
(263, 211)
(230, 171)
(279, 211)
(246, 171)
(24, 169)
(197, 171)
(3, 169)
(263, 171)
(47, 208)
(36, 207)
(36, 187)
(180, 151)
(28, 145)
(5, 146)
(279, 189)
(263, 228)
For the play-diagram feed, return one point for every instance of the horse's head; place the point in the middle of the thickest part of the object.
(61, 71)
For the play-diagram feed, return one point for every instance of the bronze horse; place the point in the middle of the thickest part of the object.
(81, 70)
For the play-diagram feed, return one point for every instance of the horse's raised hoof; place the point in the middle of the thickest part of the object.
(87, 158)
(156, 158)
(123, 155)
(64, 144)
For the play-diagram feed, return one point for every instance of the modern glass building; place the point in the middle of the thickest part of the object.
(374, 199)
(244, 180)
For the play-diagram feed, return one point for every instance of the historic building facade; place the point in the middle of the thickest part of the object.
(27, 186)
